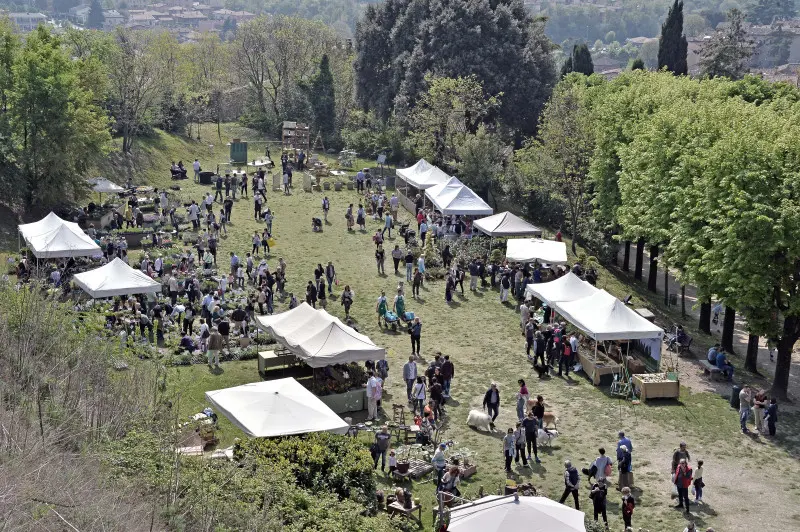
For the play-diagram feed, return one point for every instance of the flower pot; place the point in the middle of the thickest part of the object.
(402, 467)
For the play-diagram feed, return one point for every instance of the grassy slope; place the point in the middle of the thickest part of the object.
(482, 337)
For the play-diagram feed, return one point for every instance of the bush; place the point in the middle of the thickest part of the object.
(369, 137)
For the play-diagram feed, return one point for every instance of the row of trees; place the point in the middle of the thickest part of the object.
(705, 171)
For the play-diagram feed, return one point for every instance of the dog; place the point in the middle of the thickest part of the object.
(550, 418)
(546, 437)
(479, 420)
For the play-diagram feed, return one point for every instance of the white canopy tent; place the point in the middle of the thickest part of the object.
(52, 237)
(116, 279)
(533, 249)
(417, 168)
(506, 224)
(605, 317)
(319, 339)
(568, 287)
(454, 197)
(531, 514)
(281, 407)
(429, 178)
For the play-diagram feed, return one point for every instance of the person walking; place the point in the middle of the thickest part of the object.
(491, 402)
(383, 441)
(681, 453)
(624, 467)
(326, 206)
(418, 395)
(571, 481)
(505, 286)
(215, 344)
(519, 445)
(346, 300)
(416, 334)
(380, 257)
(698, 482)
(397, 256)
(522, 399)
(682, 478)
(330, 275)
(410, 376)
(409, 264)
(509, 448)
(416, 283)
(196, 168)
(598, 494)
(531, 426)
(745, 396)
(387, 226)
(628, 504)
(372, 401)
(439, 462)
(604, 466)
(448, 371)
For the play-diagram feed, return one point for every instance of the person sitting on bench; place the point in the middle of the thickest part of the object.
(681, 337)
(176, 172)
(724, 365)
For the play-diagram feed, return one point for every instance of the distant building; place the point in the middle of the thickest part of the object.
(78, 14)
(640, 41)
(238, 16)
(26, 22)
(111, 19)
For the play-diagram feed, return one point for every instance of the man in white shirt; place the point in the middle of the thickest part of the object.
(158, 265)
(173, 288)
(574, 344)
(196, 166)
(360, 181)
(372, 402)
(145, 261)
(209, 202)
(194, 213)
(409, 375)
(394, 205)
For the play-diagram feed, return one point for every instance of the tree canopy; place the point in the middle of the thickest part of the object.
(672, 45)
(728, 52)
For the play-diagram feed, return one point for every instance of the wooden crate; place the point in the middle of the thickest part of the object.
(656, 390)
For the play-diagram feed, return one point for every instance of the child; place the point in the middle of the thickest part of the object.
(240, 276)
(698, 482)
(392, 463)
(628, 504)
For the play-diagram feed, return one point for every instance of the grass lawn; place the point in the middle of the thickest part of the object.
(483, 339)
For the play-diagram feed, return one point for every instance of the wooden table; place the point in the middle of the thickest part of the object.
(656, 390)
(397, 508)
(595, 368)
(271, 359)
(417, 469)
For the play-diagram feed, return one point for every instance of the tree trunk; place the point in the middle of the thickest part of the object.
(751, 360)
(705, 316)
(652, 276)
(683, 301)
(727, 328)
(637, 273)
(626, 261)
(666, 285)
(780, 386)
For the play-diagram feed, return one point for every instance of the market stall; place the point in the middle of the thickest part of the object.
(52, 237)
(116, 279)
(536, 249)
(506, 224)
(333, 349)
(280, 407)
(568, 287)
(605, 318)
(512, 512)
(455, 198)
(416, 178)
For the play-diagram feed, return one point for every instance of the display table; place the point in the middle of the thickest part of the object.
(350, 401)
(397, 508)
(663, 389)
(597, 367)
(271, 359)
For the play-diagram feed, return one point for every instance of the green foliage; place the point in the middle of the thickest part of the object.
(768, 11)
(369, 136)
(637, 64)
(400, 42)
(95, 19)
(320, 92)
(728, 52)
(672, 45)
(580, 61)
(480, 157)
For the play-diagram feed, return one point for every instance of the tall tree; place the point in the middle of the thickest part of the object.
(561, 153)
(322, 98)
(672, 45)
(728, 52)
(96, 19)
(57, 132)
(582, 60)
(768, 11)
(480, 159)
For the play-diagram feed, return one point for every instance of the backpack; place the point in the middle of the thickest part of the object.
(573, 476)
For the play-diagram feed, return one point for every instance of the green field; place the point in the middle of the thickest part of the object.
(482, 337)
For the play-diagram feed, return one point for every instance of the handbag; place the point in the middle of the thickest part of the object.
(608, 469)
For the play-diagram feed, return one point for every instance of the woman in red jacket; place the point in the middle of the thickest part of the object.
(683, 480)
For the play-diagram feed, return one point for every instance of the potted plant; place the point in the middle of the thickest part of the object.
(403, 463)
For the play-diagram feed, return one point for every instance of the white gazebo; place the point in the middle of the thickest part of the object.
(568, 287)
(52, 237)
(417, 168)
(512, 512)
(506, 224)
(533, 249)
(281, 407)
(319, 339)
(455, 198)
(116, 279)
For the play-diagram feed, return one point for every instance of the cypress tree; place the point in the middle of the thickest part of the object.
(323, 100)
(672, 46)
(96, 18)
(582, 60)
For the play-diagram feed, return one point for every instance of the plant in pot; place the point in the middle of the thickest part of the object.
(403, 462)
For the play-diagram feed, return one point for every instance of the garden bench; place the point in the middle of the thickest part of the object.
(711, 370)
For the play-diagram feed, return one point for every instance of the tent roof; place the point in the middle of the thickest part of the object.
(506, 224)
(116, 279)
(454, 197)
(52, 237)
(101, 184)
(417, 168)
(318, 338)
(532, 514)
(605, 317)
(280, 407)
(531, 249)
(431, 177)
(566, 288)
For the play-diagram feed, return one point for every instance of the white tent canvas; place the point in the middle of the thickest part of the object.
(605, 317)
(506, 224)
(454, 197)
(533, 249)
(500, 514)
(319, 339)
(280, 407)
(417, 168)
(568, 287)
(103, 185)
(116, 279)
(432, 177)
(52, 237)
